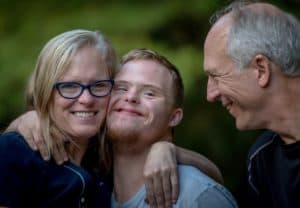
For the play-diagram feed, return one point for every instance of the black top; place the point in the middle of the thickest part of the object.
(26, 180)
(274, 172)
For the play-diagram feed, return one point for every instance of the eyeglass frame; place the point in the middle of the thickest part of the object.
(84, 87)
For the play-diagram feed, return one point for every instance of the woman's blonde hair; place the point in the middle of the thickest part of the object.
(52, 63)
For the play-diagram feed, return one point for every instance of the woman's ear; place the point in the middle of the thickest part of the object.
(176, 117)
(262, 66)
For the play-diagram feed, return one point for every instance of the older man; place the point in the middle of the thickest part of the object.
(252, 59)
(144, 109)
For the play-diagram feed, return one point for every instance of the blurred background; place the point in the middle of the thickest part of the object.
(174, 28)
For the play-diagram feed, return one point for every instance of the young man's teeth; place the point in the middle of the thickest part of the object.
(84, 114)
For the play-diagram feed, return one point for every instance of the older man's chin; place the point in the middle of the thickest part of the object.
(243, 124)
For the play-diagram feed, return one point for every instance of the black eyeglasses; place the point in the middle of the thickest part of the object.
(72, 90)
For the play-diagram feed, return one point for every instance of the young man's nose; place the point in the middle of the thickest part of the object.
(132, 96)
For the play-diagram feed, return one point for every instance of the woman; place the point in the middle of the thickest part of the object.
(72, 81)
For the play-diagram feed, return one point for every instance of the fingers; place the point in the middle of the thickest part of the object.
(27, 132)
(41, 145)
(150, 192)
(167, 189)
(29, 127)
(59, 153)
(160, 172)
(31, 143)
(174, 185)
(158, 191)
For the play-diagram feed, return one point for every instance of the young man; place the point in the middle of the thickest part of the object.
(252, 59)
(145, 106)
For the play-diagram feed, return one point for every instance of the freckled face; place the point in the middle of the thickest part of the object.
(141, 102)
(81, 118)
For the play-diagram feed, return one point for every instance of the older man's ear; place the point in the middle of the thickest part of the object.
(262, 66)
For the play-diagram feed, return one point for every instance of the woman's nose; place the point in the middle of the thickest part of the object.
(86, 97)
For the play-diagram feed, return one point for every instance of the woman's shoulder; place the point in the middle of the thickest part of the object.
(12, 139)
(17, 174)
(13, 146)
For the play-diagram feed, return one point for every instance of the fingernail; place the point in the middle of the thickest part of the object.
(47, 158)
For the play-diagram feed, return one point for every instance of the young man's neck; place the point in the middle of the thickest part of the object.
(128, 171)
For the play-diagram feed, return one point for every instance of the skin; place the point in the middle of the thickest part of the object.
(82, 118)
(141, 112)
(258, 96)
(141, 105)
(236, 90)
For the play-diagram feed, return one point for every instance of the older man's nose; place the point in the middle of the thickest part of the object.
(212, 91)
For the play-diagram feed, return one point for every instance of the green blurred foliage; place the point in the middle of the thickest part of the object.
(177, 29)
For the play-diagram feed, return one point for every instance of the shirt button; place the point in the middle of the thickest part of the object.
(82, 200)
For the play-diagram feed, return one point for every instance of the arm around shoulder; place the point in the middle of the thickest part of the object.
(188, 157)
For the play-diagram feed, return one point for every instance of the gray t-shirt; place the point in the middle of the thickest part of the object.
(197, 190)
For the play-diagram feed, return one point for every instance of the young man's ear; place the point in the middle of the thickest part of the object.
(262, 66)
(176, 117)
